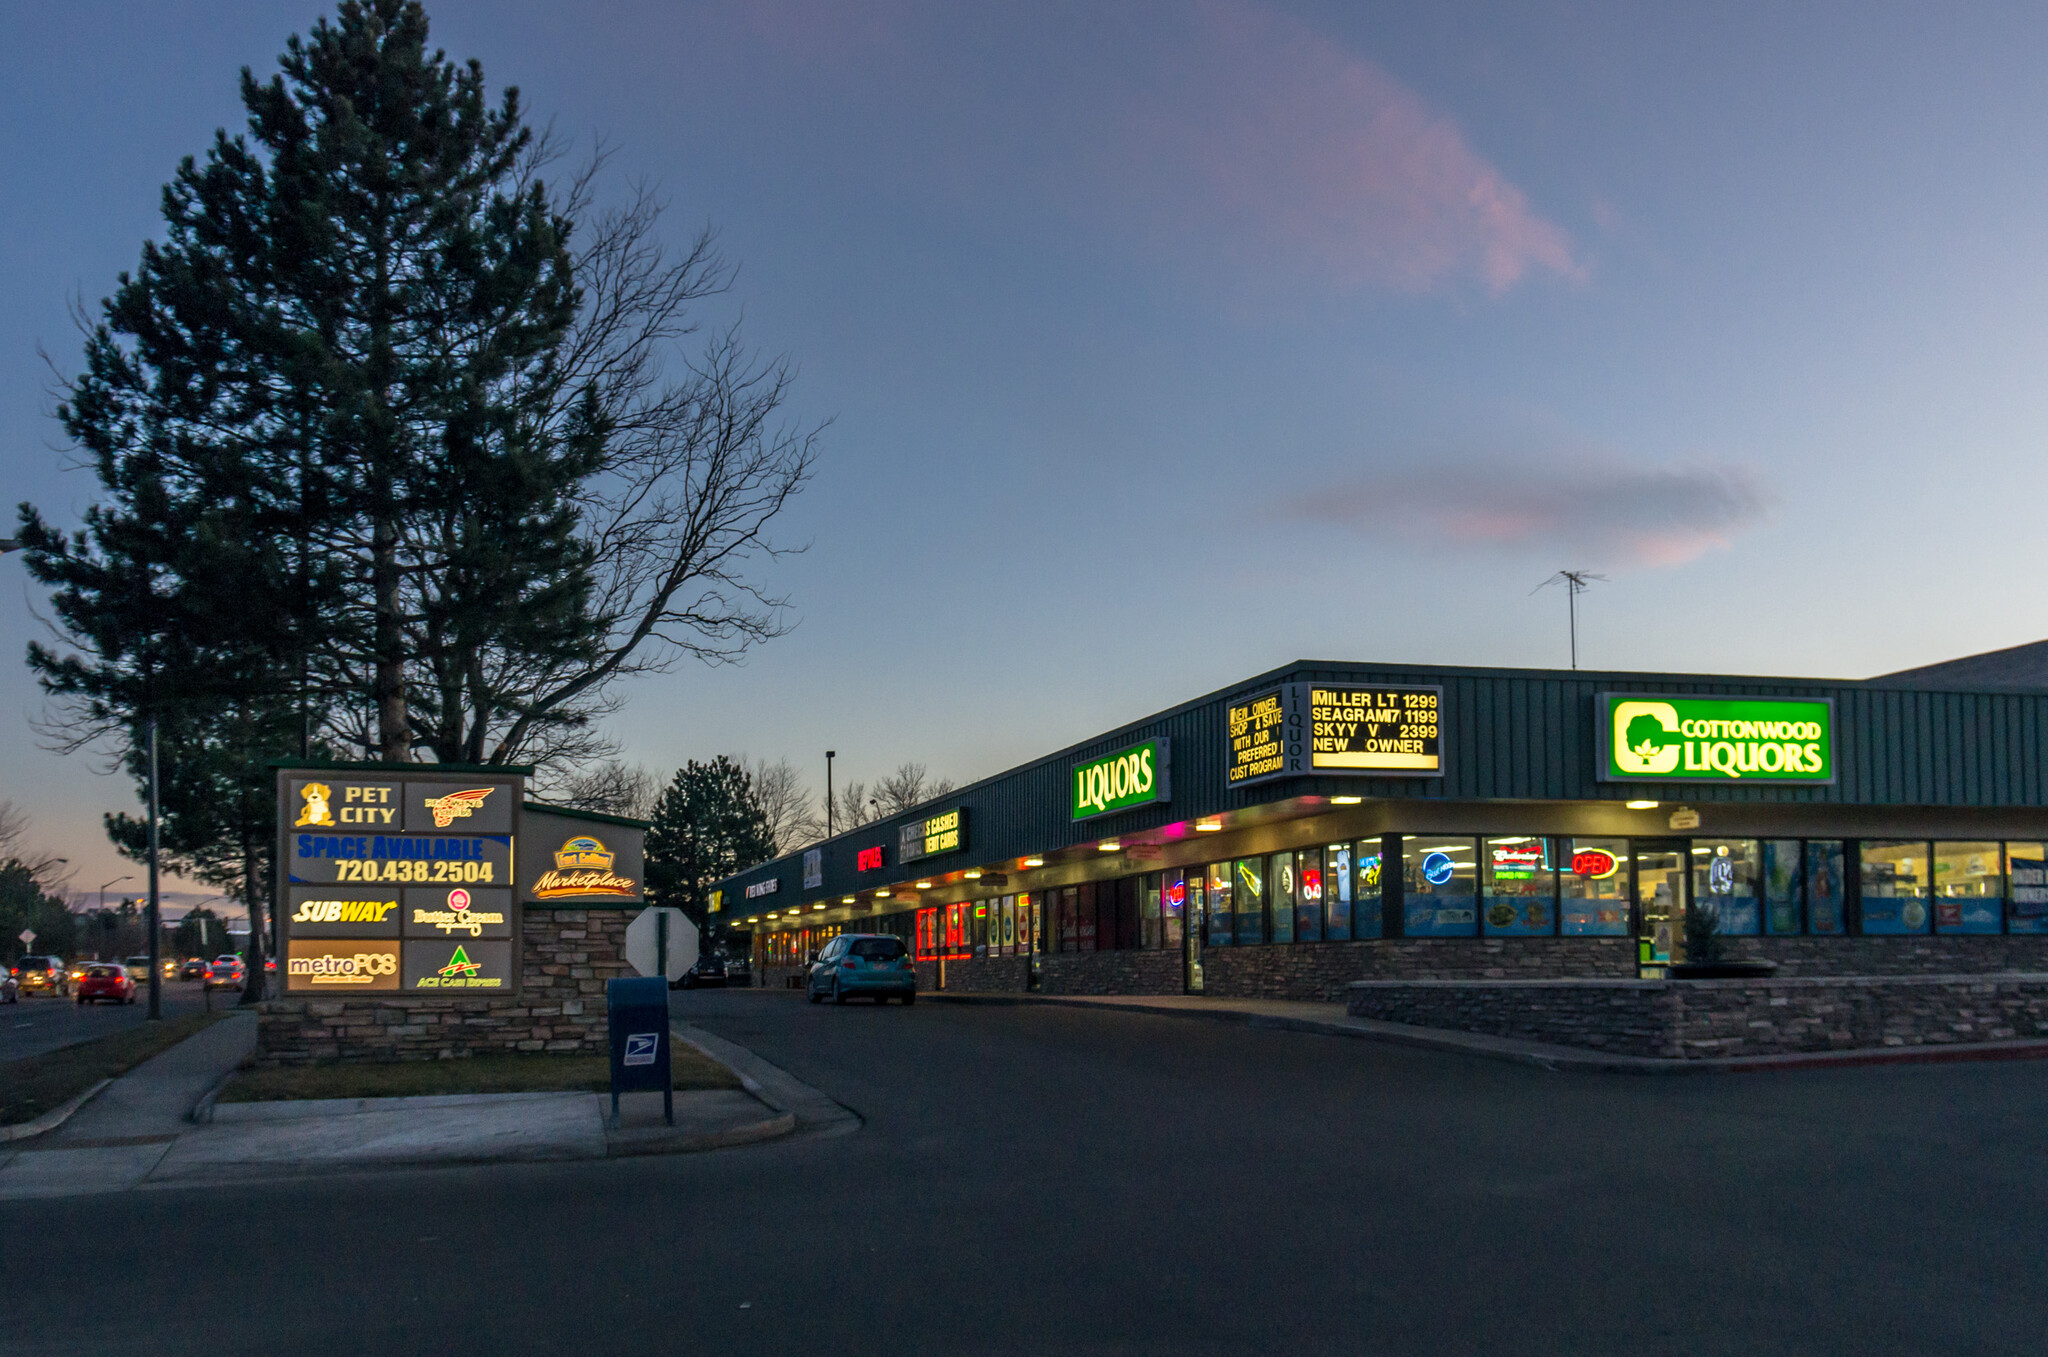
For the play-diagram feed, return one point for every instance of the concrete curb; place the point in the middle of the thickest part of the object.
(52, 1119)
(753, 1133)
(811, 1111)
(1542, 1055)
(306, 1109)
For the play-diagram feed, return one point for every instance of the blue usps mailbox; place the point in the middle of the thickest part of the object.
(637, 1012)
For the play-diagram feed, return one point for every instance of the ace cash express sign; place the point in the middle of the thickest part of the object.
(1656, 737)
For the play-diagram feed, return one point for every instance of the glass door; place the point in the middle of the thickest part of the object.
(1662, 869)
(1194, 921)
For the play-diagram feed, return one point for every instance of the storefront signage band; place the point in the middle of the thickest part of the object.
(1653, 737)
(1136, 776)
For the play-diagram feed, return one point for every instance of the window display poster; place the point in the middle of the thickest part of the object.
(2026, 866)
(1781, 887)
(1337, 889)
(1824, 885)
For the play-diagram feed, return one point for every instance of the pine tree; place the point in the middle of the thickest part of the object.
(707, 825)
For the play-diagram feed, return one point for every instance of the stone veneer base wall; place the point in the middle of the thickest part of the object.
(1323, 971)
(566, 957)
(1700, 1019)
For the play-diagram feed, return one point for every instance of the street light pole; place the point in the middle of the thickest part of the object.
(156, 979)
(829, 754)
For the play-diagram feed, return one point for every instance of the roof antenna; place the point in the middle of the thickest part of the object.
(1575, 582)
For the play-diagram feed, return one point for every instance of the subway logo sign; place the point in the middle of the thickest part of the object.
(1652, 737)
(1136, 776)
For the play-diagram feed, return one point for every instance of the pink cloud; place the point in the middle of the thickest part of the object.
(1221, 135)
(1272, 131)
(1593, 509)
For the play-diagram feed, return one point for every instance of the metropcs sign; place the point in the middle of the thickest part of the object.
(1137, 776)
(1649, 737)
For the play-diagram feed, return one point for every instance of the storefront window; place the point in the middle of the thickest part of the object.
(1894, 878)
(1308, 895)
(1969, 889)
(1593, 883)
(1725, 873)
(1149, 931)
(1781, 887)
(1283, 891)
(1366, 918)
(1173, 905)
(1337, 885)
(1009, 925)
(2026, 871)
(1222, 919)
(1070, 919)
(1520, 884)
(1441, 880)
(1087, 911)
(1824, 878)
(1250, 888)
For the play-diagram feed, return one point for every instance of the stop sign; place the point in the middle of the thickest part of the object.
(642, 938)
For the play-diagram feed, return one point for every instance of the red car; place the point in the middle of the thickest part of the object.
(106, 981)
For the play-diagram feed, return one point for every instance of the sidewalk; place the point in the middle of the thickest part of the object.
(1332, 1020)
(140, 1131)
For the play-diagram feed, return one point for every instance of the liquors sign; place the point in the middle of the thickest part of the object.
(1137, 776)
(1652, 737)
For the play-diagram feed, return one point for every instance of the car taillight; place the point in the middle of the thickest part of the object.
(849, 963)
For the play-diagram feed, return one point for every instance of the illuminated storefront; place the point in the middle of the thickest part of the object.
(1379, 822)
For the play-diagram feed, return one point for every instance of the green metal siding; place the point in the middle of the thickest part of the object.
(1506, 735)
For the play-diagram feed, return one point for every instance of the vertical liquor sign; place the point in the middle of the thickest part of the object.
(398, 879)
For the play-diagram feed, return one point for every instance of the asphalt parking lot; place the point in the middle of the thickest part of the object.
(1034, 1180)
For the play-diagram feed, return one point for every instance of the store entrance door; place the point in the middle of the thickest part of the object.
(1194, 918)
(1662, 869)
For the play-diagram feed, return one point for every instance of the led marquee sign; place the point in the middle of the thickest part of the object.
(1379, 731)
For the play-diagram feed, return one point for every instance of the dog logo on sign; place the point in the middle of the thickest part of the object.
(640, 1047)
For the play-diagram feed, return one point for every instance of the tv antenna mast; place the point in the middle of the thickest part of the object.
(1575, 582)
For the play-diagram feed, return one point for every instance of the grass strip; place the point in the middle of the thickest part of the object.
(477, 1074)
(40, 1083)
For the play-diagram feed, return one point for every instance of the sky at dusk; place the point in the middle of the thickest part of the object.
(1163, 344)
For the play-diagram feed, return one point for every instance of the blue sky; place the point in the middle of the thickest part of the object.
(1166, 343)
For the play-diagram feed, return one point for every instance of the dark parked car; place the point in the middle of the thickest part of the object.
(193, 969)
(709, 972)
(852, 964)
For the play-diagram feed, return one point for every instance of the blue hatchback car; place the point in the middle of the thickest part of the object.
(876, 965)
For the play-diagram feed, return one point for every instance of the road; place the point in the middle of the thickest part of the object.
(1045, 1180)
(41, 1023)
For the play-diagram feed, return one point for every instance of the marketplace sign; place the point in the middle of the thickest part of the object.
(1652, 737)
(1136, 776)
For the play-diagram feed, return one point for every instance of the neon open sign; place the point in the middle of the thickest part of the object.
(1597, 863)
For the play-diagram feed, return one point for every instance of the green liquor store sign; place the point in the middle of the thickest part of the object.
(1652, 737)
(1137, 776)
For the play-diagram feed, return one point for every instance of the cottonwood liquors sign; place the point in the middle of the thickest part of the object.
(1651, 737)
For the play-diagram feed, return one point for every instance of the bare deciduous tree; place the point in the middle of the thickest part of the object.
(612, 787)
(14, 847)
(792, 811)
(909, 786)
(698, 461)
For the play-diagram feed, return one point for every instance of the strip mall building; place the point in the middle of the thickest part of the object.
(1328, 823)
